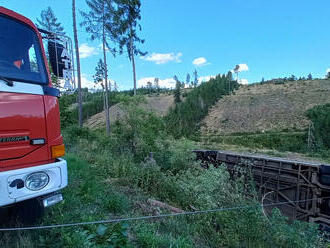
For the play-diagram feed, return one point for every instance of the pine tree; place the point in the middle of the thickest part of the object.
(128, 16)
(99, 78)
(101, 22)
(115, 86)
(99, 72)
(176, 79)
(230, 79)
(292, 78)
(188, 79)
(49, 22)
(195, 83)
(177, 90)
(229, 76)
(262, 81)
(310, 77)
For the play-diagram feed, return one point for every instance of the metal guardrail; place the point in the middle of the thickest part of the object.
(284, 181)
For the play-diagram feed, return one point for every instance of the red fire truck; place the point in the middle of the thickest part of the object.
(32, 172)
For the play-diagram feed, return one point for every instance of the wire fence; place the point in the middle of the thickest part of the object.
(160, 216)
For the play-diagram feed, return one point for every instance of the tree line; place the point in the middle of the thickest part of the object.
(291, 79)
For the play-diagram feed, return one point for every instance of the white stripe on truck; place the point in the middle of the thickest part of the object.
(23, 88)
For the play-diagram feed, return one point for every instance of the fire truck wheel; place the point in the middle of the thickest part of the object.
(29, 211)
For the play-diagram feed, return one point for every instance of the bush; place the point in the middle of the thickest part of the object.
(320, 116)
(116, 203)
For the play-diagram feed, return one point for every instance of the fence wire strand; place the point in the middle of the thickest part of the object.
(148, 217)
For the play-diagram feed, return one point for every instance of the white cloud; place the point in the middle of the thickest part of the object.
(327, 73)
(163, 83)
(100, 48)
(86, 51)
(204, 79)
(162, 58)
(200, 61)
(243, 81)
(241, 67)
(86, 83)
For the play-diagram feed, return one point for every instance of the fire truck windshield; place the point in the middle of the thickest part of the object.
(20, 53)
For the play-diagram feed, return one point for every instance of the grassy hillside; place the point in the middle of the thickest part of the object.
(266, 107)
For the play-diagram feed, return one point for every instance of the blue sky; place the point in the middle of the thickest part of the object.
(274, 38)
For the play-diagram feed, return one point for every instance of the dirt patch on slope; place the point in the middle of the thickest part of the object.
(157, 104)
(266, 107)
(98, 120)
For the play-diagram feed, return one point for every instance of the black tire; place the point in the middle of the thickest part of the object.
(29, 211)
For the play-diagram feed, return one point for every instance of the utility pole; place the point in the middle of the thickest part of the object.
(80, 113)
(132, 58)
(107, 114)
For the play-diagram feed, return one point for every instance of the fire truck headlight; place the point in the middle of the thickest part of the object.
(37, 181)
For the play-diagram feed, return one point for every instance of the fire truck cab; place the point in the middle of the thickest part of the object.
(32, 172)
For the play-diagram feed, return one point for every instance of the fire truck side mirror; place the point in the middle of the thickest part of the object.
(56, 59)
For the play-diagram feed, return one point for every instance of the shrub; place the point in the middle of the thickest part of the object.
(138, 133)
(320, 116)
(116, 203)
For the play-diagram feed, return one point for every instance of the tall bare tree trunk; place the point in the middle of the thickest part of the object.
(78, 62)
(107, 115)
(133, 61)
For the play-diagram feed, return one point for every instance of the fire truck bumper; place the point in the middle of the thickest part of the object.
(42, 181)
